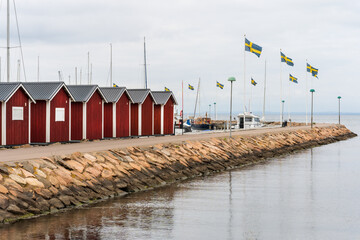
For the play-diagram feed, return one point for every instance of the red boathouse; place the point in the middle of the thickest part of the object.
(116, 112)
(15, 102)
(87, 112)
(142, 112)
(50, 115)
(164, 112)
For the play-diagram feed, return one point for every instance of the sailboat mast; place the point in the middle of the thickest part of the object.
(197, 97)
(18, 71)
(38, 69)
(88, 66)
(145, 64)
(111, 65)
(8, 41)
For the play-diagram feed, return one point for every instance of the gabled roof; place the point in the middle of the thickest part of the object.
(113, 94)
(139, 95)
(8, 89)
(161, 97)
(83, 93)
(45, 90)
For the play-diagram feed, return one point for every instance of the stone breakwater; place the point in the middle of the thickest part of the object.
(47, 185)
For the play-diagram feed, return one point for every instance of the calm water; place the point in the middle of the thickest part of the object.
(313, 194)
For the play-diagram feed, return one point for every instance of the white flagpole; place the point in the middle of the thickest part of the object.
(306, 95)
(263, 115)
(250, 102)
(244, 77)
(281, 120)
(288, 105)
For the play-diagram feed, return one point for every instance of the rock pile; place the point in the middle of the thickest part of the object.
(46, 185)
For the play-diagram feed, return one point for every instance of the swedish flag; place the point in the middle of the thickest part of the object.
(312, 70)
(221, 86)
(114, 85)
(167, 90)
(286, 59)
(191, 87)
(253, 82)
(252, 47)
(293, 79)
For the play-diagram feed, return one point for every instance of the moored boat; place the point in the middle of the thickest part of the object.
(248, 120)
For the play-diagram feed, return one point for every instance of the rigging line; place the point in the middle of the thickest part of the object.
(18, 30)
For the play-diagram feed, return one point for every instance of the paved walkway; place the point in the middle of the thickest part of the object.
(21, 154)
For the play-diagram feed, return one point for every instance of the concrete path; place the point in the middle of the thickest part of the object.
(21, 154)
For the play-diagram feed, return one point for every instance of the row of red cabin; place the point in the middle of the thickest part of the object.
(48, 112)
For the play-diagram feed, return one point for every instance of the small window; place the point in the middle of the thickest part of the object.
(248, 119)
(17, 113)
(59, 114)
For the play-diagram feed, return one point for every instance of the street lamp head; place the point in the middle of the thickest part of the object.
(231, 79)
(312, 90)
(339, 97)
(283, 101)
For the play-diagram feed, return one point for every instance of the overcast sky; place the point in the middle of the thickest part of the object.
(188, 40)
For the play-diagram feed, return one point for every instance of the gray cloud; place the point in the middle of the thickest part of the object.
(191, 39)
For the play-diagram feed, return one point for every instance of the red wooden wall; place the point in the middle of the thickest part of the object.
(157, 119)
(122, 116)
(76, 120)
(38, 122)
(94, 117)
(0, 123)
(108, 120)
(168, 117)
(17, 132)
(134, 119)
(59, 131)
(147, 117)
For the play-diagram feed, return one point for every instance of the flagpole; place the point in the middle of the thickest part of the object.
(306, 95)
(250, 102)
(263, 115)
(244, 77)
(289, 102)
(281, 119)
(182, 106)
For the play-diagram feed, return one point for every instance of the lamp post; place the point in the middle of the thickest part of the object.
(215, 113)
(312, 105)
(339, 97)
(282, 112)
(209, 110)
(231, 79)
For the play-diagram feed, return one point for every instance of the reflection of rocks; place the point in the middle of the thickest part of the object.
(48, 184)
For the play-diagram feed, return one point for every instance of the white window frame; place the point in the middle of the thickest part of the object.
(59, 118)
(16, 116)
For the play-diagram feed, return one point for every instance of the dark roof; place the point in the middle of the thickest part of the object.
(113, 94)
(45, 90)
(161, 97)
(8, 89)
(82, 93)
(139, 95)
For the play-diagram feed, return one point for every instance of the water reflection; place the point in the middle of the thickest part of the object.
(106, 220)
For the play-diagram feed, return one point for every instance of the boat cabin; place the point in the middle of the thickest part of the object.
(249, 120)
